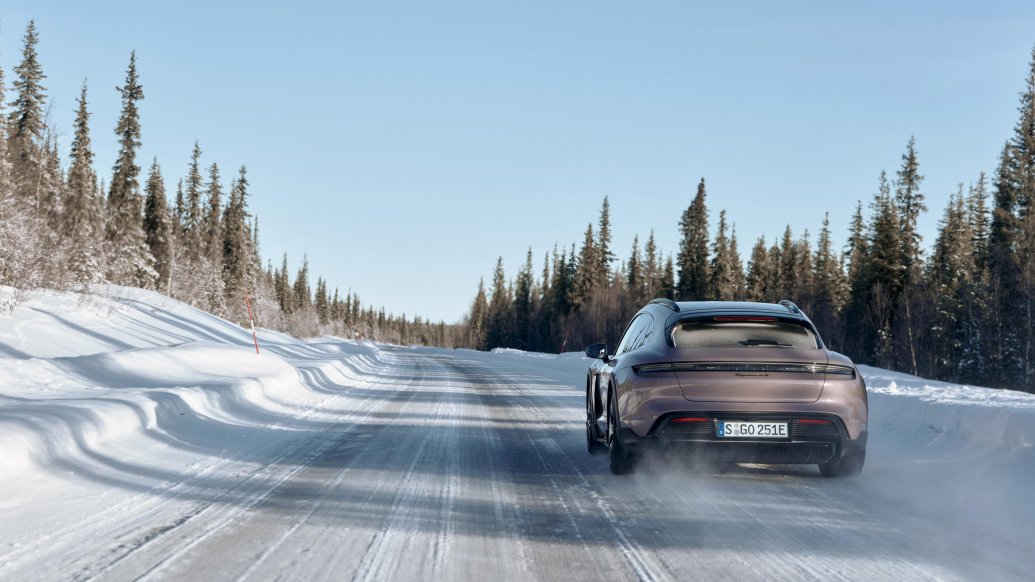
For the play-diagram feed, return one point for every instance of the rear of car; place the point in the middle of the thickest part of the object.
(737, 382)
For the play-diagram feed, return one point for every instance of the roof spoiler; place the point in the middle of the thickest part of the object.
(667, 303)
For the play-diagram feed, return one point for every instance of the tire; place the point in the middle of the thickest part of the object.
(620, 461)
(847, 466)
(593, 444)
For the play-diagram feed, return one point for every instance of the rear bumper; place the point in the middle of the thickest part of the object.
(808, 443)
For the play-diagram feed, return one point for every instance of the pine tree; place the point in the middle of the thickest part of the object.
(157, 229)
(693, 250)
(130, 262)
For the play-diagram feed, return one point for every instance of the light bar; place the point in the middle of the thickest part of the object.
(775, 367)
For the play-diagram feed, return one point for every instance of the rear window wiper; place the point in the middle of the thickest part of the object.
(762, 342)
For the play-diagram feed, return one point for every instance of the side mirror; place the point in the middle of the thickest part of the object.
(597, 351)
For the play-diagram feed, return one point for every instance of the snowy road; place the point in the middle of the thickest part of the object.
(441, 466)
(395, 463)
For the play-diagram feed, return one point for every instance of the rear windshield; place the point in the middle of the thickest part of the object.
(739, 334)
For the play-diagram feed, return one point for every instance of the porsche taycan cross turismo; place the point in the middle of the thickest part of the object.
(726, 381)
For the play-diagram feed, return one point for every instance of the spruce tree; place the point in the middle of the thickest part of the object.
(651, 268)
(302, 294)
(193, 223)
(82, 204)
(950, 277)
(910, 205)
(27, 128)
(6, 175)
(787, 269)
(758, 273)
(238, 255)
(724, 265)
(667, 283)
(523, 304)
(634, 274)
(322, 304)
(498, 333)
(211, 227)
(739, 282)
(478, 318)
(885, 271)
(180, 209)
(587, 273)
(829, 283)
(603, 245)
(693, 250)
(130, 262)
(157, 228)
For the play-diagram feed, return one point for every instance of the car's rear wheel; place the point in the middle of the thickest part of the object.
(847, 466)
(593, 444)
(621, 461)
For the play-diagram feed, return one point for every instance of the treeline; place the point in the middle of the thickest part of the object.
(964, 311)
(63, 226)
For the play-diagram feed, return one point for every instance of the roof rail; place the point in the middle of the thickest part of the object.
(790, 306)
(667, 303)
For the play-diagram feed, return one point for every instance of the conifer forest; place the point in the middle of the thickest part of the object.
(960, 308)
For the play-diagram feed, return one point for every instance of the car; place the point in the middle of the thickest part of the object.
(726, 381)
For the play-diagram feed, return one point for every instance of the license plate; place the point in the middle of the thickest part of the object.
(758, 430)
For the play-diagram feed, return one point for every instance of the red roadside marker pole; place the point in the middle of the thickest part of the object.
(251, 320)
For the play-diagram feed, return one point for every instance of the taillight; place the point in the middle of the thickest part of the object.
(742, 318)
(646, 368)
(833, 369)
(689, 419)
(814, 421)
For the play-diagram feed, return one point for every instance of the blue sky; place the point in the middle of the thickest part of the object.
(405, 145)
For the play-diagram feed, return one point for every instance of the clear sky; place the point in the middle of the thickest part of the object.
(405, 145)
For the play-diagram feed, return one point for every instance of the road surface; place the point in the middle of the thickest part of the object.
(441, 465)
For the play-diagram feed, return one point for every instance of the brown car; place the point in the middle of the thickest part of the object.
(729, 381)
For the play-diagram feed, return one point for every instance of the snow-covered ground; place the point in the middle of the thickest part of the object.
(140, 437)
